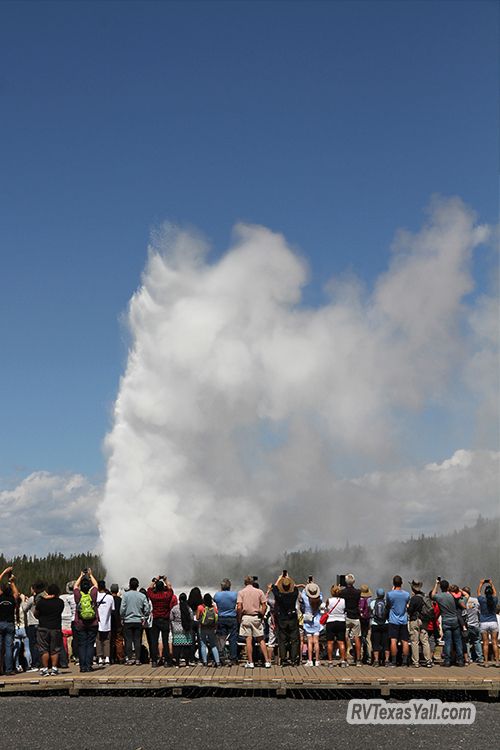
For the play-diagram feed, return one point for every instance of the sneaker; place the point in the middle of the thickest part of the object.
(249, 665)
(137, 663)
(376, 664)
(317, 664)
(100, 661)
(267, 665)
(54, 671)
(428, 664)
(308, 663)
(415, 666)
(154, 664)
(19, 669)
(343, 664)
(33, 669)
(106, 660)
(358, 664)
(44, 672)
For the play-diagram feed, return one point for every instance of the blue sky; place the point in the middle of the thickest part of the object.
(330, 122)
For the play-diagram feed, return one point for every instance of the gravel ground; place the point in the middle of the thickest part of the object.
(149, 723)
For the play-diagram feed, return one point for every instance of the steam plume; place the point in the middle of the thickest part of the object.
(244, 418)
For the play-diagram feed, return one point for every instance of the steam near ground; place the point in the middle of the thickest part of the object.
(245, 419)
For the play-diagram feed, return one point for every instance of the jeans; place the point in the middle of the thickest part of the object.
(21, 639)
(161, 625)
(133, 636)
(86, 640)
(288, 639)
(35, 654)
(474, 643)
(7, 631)
(228, 627)
(452, 635)
(208, 638)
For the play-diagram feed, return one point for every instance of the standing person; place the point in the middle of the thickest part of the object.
(335, 625)
(488, 623)
(135, 609)
(161, 597)
(364, 621)
(251, 608)
(471, 617)
(117, 641)
(380, 628)
(49, 611)
(68, 617)
(286, 616)
(311, 600)
(420, 610)
(86, 618)
(227, 624)
(449, 622)
(28, 607)
(352, 596)
(194, 600)
(105, 605)
(207, 617)
(181, 624)
(397, 601)
(9, 600)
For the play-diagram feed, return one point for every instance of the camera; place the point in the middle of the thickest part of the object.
(438, 579)
(285, 573)
(309, 579)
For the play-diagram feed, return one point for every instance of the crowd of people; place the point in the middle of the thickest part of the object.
(290, 623)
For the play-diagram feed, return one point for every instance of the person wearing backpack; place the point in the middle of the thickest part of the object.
(86, 618)
(207, 616)
(420, 611)
(365, 614)
(380, 628)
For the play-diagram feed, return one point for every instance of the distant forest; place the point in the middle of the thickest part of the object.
(463, 557)
(55, 568)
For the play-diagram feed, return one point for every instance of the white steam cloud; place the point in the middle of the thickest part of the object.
(244, 419)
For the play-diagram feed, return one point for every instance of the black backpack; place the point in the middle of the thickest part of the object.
(380, 612)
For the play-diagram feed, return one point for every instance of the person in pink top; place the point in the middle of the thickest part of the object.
(251, 608)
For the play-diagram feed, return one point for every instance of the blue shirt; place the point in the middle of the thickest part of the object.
(226, 603)
(397, 601)
(484, 614)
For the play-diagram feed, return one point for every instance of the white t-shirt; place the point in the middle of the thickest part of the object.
(338, 613)
(105, 605)
(68, 614)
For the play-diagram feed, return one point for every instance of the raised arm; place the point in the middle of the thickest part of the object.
(7, 570)
(435, 589)
(480, 586)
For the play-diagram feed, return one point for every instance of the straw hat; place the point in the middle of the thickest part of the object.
(312, 590)
(285, 585)
(365, 590)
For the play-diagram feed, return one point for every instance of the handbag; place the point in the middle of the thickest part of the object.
(324, 617)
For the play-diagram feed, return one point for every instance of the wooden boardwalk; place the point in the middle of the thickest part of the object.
(384, 680)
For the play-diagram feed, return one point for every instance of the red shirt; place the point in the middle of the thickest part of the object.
(162, 602)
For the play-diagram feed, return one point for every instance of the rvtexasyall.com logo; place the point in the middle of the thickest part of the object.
(379, 711)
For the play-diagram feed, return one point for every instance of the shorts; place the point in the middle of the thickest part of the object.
(398, 632)
(251, 625)
(353, 628)
(380, 637)
(335, 630)
(49, 641)
(488, 627)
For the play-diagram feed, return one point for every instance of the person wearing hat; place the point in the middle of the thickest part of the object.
(286, 617)
(311, 600)
(380, 628)
(417, 625)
